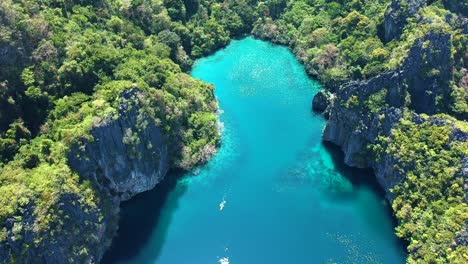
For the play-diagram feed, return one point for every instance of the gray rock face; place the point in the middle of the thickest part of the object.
(396, 15)
(321, 101)
(93, 235)
(353, 128)
(6, 55)
(12, 57)
(353, 125)
(427, 72)
(128, 155)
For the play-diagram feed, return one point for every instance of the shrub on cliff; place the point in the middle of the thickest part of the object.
(430, 203)
(74, 81)
(64, 64)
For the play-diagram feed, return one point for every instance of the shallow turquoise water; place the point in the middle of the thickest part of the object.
(287, 198)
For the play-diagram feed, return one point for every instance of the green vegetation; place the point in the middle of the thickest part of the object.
(376, 101)
(63, 65)
(429, 204)
(342, 40)
(336, 40)
(67, 80)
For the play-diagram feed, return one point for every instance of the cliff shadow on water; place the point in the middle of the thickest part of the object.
(149, 214)
(349, 201)
(142, 216)
(361, 178)
(357, 177)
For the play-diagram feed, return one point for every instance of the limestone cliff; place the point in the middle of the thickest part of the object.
(397, 14)
(364, 110)
(80, 227)
(376, 121)
(126, 155)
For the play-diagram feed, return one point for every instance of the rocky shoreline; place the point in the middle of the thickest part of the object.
(360, 113)
(127, 155)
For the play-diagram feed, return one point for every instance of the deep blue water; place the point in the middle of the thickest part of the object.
(287, 197)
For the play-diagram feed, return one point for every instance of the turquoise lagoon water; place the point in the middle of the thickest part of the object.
(273, 193)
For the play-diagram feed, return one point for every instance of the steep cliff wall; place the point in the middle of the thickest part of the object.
(126, 155)
(364, 110)
(383, 123)
(80, 228)
(397, 14)
(353, 114)
(355, 121)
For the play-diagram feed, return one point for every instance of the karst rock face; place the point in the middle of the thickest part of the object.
(127, 155)
(321, 101)
(353, 126)
(427, 72)
(397, 14)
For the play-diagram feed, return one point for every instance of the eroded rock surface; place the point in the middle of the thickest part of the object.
(128, 155)
(396, 15)
(364, 110)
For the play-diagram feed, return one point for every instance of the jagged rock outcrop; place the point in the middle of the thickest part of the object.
(321, 101)
(349, 124)
(428, 71)
(396, 15)
(363, 110)
(353, 125)
(127, 155)
(80, 227)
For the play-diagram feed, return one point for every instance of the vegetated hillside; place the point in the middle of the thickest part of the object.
(66, 69)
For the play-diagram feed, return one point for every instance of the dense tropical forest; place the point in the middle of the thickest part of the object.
(65, 67)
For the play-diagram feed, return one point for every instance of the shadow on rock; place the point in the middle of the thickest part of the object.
(144, 218)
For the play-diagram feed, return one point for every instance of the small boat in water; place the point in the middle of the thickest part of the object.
(222, 204)
(224, 261)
